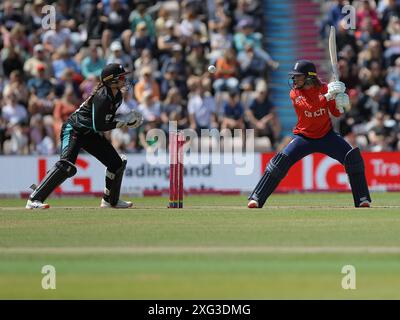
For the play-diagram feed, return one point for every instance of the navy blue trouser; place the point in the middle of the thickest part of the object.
(332, 144)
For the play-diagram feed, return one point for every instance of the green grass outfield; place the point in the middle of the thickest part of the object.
(215, 248)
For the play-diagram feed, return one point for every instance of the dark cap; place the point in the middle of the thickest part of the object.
(112, 71)
(304, 67)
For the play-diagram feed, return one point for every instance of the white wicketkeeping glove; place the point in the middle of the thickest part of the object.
(342, 102)
(132, 119)
(335, 88)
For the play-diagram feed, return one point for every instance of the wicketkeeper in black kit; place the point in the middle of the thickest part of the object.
(83, 129)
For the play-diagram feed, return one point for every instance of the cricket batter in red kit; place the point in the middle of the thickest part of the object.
(313, 102)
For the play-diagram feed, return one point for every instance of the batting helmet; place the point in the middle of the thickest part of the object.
(304, 67)
(112, 73)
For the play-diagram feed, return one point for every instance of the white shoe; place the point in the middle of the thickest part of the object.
(36, 204)
(121, 204)
(365, 204)
(252, 204)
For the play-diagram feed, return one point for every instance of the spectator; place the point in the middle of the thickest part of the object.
(378, 134)
(262, 117)
(190, 24)
(140, 41)
(196, 59)
(372, 75)
(364, 12)
(68, 78)
(34, 18)
(115, 22)
(42, 92)
(151, 111)
(252, 66)
(366, 32)
(93, 27)
(246, 36)
(392, 44)
(63, 60)
(63, 108)
(39, 57)
(58, 37)
(150, 108)
(201, 107)
(220, 17)
(12, 60)
(146, 60)
(93, 63)
(227, 72)
(173, 109)
(12, 111)
(87, 86)
(139, 16)
(118, 56)
(9, 16)
(18, 40)
(42, 139)
(354, 120)
(177, 59)
(372, 52)
(220, 41)
(147, 83)
(233, 112)
(391, 10)
(170, 80)
(167, 40)
(344, 37)
(18, 140)
(393, 80)
(163, 16)
(122, 140)
(247, 96)
(18, 87)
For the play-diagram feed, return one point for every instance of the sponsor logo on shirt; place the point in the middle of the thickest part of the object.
(320, 112)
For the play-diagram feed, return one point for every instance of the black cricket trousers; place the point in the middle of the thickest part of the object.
(93, 142)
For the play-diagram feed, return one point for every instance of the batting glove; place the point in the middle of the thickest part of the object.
(342, 102)
(335, 88)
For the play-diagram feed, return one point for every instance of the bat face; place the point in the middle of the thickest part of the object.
(332, 52)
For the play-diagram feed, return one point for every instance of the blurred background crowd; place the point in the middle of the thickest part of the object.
(369, 65)
(45, 74)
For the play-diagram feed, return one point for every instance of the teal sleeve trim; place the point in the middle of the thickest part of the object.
(93, 123)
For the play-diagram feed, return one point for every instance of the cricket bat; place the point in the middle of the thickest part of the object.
(332, 53)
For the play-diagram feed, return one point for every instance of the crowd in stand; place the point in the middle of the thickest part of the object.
(369, 65)
(46, 73)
